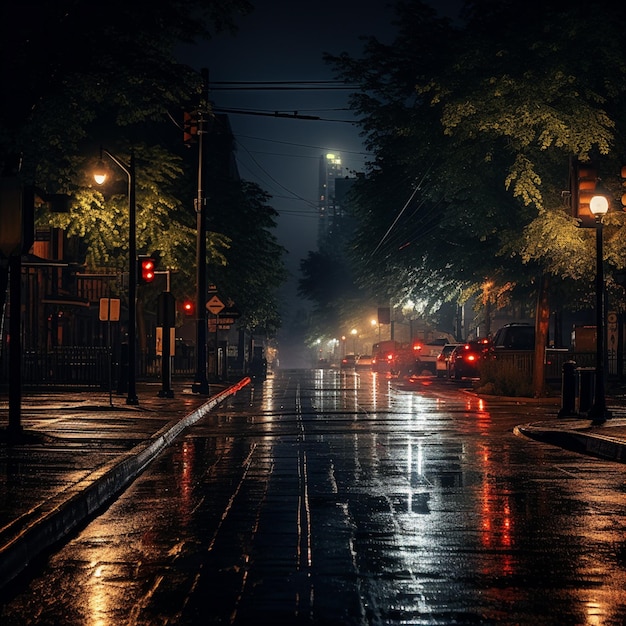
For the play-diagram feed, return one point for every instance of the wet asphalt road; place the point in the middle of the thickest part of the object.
(325, 497)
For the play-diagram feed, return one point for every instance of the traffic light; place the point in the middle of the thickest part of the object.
(147, 266)
(188, 308)
(586, 179)
(190, 127)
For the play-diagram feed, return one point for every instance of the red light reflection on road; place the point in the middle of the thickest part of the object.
(496, 520)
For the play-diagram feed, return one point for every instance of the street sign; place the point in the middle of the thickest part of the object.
(213, 327)
(109, 310)
(159, 341)
(215, 305)
(227, 320)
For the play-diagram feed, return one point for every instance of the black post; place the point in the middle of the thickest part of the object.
(568, 390)
(132, 285)
(15, 347)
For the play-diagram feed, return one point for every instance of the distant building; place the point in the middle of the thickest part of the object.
(330, 170)
(333, 191)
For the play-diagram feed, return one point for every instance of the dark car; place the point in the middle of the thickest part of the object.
(349, 362)
(466, 358)
(514, 336)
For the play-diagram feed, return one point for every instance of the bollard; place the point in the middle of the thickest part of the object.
(568, 390)
(586, 388)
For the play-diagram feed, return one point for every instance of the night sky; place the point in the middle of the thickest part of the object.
(279, 43)
(284, 41)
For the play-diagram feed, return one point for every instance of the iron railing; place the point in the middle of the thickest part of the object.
(554, 360)
(88, 366)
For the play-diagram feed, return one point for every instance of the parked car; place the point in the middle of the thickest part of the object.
(349, 362)
(426, 354)
(442, 365)
(514, 336)
(466, 357)
(364, 362)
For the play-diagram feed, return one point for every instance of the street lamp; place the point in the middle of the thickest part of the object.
(354, 333)
(100, 177)
(598, 206)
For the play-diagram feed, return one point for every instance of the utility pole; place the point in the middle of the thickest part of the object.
(201, 383)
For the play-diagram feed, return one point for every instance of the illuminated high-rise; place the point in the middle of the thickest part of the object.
(329, 210)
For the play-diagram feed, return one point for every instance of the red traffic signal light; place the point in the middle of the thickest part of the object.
(190, 127)
(188, 308)
(147, 266)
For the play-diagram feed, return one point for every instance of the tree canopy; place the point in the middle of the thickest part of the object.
(83, 76)
(473, 125)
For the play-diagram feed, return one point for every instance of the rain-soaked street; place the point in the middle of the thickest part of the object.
(329, 497)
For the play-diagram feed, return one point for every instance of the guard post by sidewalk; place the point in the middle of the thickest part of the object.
(568, 390)
(586, 388)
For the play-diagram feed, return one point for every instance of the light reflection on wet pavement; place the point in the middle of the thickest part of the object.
(339, 498)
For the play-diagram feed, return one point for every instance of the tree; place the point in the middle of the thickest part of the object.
(476, 125)
(253, 268)
(78, 73)
(75, 66)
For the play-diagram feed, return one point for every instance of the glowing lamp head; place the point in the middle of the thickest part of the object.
(599, 205)
(100, 173)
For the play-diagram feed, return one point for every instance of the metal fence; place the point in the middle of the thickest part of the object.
(66, 366)
(554, 360)
(92, 367)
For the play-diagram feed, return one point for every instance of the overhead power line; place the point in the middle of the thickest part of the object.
(294, 115)
(282, 85)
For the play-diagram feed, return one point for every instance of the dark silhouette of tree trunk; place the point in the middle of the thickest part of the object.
(542, 325)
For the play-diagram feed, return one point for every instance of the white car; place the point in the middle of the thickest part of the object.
(441, 364)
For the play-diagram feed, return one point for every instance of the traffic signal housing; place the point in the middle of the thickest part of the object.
(190, 127)
(585, 182)
(188, 308)
(147, 267)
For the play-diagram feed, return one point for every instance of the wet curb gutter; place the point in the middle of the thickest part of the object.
(50, 522)
(593, 444)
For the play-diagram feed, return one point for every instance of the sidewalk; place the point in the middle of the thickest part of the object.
(78, 451)
(578, 434)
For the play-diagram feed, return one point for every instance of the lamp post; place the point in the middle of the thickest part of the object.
(100, 177)
(599, 205)
(354, 333)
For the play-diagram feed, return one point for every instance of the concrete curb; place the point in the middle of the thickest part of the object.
(594, 444)
(53, 520)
